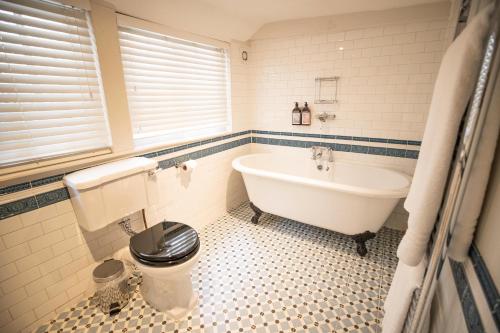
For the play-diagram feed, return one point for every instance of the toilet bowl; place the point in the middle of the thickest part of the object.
(166, 254)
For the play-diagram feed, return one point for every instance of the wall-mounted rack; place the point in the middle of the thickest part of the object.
(326, 90)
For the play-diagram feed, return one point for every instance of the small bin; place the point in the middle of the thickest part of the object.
(112, 288)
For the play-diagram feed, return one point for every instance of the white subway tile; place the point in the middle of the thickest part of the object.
(20, 323)
(28, 304)
(22, 235)
(382, 41)
(20, 280)
(5, 318)
(79, 288)
(373, 32)
(62, 286)
(42, 283)
(354, 34)
(394, 29)
(67, 245)
(74, 266)
(7, 271)
(51, 305)
(55, 263)
(39, 215)
(336, 37)
(406, 38)
(34, 259)
(58, 222)
(428, 36)
(12, 298)
(363, 43)
(14, 253)
(46, 240)
(10, 224)
(319, 39)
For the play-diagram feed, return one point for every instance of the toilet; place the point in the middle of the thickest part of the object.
(165, 253)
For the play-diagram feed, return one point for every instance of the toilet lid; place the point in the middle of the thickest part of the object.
(165, 244)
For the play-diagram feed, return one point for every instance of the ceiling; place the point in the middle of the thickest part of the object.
(237, 19)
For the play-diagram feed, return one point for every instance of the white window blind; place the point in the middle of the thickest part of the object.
(50, 97)
(176, 89)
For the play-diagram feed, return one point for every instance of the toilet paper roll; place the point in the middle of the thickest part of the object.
(189, 165)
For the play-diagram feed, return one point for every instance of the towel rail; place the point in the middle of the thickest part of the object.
(457, 181)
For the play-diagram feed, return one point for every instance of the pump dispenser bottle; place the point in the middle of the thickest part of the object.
(306, 115)
(296, 115)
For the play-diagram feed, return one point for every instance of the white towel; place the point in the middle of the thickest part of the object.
(405, 281)
(454, 85)
(476, 189)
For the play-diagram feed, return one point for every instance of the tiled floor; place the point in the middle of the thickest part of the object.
(278, 276)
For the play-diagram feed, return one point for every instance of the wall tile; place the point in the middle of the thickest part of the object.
(14, 253)
(10, 224)
(34, 259)
(11, 298)
(22, 235)
(20, 280)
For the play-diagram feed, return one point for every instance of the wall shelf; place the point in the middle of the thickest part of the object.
(326, 90)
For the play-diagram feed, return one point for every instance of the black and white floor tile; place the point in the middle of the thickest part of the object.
(277, 276)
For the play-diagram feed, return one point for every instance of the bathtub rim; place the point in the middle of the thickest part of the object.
(356, 190)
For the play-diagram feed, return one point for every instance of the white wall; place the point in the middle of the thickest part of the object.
(387, 63)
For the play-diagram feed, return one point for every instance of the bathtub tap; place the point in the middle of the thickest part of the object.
(317, 152)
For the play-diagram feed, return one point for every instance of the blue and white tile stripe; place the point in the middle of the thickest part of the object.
(469, 305)
(251, 136)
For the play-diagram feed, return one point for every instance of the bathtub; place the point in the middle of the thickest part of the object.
(352, 199)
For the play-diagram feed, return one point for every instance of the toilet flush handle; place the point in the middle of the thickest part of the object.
(154, 172)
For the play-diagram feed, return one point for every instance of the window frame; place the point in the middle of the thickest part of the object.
(135, 23)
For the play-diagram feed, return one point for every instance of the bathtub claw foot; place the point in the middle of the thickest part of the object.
(257, 211)
(360, 240)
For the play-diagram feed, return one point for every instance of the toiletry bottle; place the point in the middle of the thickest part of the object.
(306, 115)
(296, 115)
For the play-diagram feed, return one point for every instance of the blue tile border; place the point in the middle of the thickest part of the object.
(469, 307)
(382, 151)
(341, 137)
(487, 284)
(18, 207)
(47, 198)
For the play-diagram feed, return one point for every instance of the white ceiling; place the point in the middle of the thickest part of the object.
(238, 19)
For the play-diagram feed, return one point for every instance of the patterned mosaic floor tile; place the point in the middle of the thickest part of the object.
(277, 276)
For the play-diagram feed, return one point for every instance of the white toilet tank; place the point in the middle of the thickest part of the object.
(103, 194)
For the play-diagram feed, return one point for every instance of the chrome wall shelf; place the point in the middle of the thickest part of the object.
(326, 90)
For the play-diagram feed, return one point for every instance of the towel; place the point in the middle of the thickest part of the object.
(405, 281)
(454, 84)
(471, 205)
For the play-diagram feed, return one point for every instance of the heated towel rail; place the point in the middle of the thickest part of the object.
(467, 144)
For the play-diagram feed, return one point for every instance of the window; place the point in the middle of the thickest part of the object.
(50, 96)
(176, 89)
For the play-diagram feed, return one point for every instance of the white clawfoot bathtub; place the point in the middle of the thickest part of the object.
(352, 199)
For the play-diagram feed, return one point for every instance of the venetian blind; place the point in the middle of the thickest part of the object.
(50, 97)
(176, 89)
